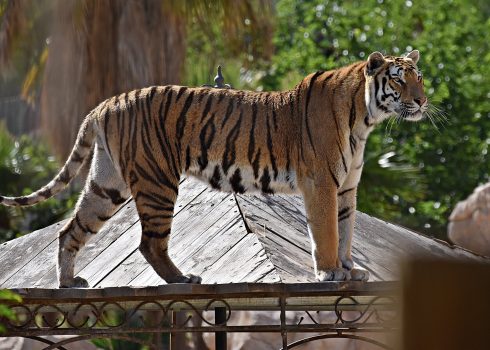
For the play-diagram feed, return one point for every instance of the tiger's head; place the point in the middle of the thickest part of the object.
(394, 86)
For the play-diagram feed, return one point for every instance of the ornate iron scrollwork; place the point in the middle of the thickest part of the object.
(111, 316)
(369, 311)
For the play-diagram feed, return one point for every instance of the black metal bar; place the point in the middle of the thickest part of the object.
(228, 329)
(220, 319)
(284, 333)
(164, 339)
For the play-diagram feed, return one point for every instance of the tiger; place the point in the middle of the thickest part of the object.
(309, 140)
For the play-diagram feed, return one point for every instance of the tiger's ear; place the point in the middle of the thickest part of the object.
(374, 61)
(414, 56)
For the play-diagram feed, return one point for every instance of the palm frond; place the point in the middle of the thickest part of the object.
(13, 24)
(244, 25)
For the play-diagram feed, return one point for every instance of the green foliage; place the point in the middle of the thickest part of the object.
(452, 36)
(5, 312)
(25, 166)
(115, 318)
(219, 33)
(117, 344)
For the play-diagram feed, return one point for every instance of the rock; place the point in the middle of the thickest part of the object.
(469, 223)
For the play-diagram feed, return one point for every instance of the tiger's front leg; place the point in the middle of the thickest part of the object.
(321, 209)
(346, 219)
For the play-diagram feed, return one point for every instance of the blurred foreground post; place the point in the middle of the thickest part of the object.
(446, 305)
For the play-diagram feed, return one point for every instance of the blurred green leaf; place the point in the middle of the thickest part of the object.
(25, 166)
(5, 311)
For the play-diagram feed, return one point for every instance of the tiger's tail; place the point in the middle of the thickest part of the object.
(83, 146)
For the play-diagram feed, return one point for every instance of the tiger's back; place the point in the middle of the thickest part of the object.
(234, 140)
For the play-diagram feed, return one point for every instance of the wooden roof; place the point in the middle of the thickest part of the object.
(222, 237)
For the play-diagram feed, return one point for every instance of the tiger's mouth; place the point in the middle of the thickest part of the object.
(413, 116)
(410, 114)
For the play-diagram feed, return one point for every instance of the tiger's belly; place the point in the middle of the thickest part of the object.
(246, 179)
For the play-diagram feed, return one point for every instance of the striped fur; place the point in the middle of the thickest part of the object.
(308, 140)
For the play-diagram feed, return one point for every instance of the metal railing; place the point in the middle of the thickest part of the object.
(354, 308)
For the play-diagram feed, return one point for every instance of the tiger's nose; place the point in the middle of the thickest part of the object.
(420, 101)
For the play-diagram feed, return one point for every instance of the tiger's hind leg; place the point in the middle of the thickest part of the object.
(155, 204)
(105, 191)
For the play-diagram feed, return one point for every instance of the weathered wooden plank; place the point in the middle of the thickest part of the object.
(275, 213)
(214, 244)
(266, 272)
(284, 276)
(205, 260)
(16, 253)
(381, 261)
(125, 218)
(180, 249)
(17, 245)
(281, 226)
(125, 272)
(288, 257)
(361, 251)
(381, 237)
(200, 249)
(381, 246)
(114, 228)
(364, 257)
(40, 270)
(147, 277)
(235, 265)
(275, 217)
(189, 189)
(410, 242)
(200, 204)
(214, 215)
(111, 257)
(43, 263)
(116, 253)
(359, 246)
(193, 265)
(377, 246)
(35, 268)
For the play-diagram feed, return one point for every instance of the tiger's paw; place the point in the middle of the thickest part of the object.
(358, 274)
(335, 274)
(77, 282)
(347, 263)
(189, 278)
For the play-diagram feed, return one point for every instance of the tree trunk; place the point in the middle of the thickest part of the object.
(100, 48)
